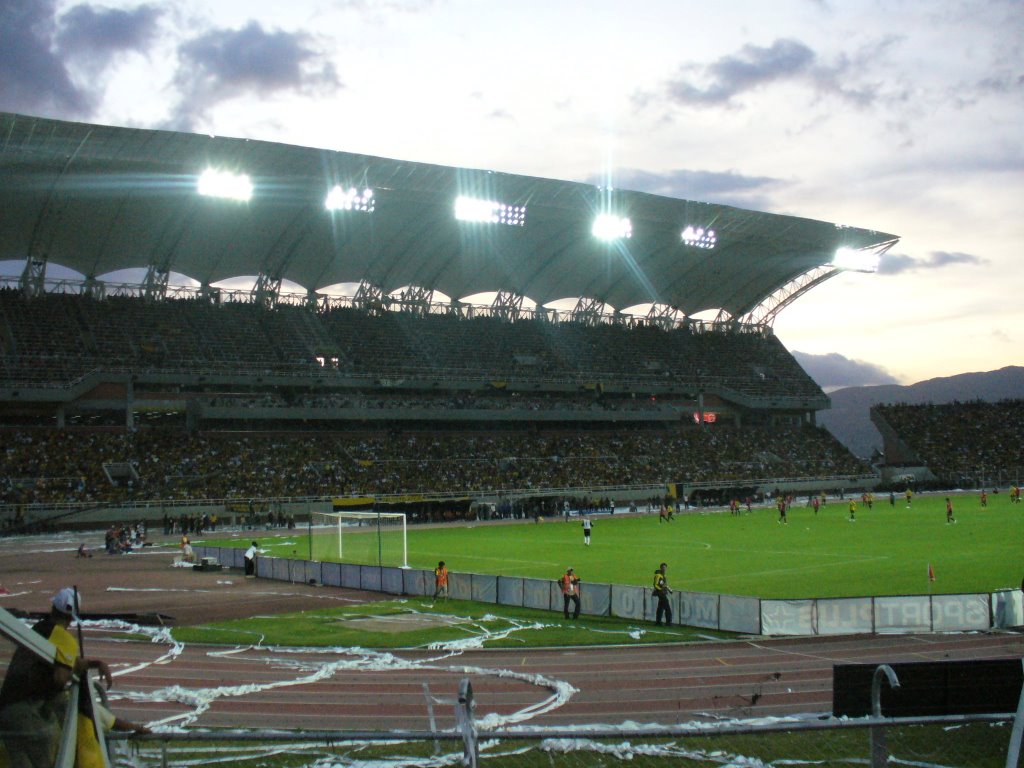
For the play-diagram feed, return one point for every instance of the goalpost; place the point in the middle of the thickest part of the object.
(367, 538)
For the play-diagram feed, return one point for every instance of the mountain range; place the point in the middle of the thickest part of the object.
(849, 418)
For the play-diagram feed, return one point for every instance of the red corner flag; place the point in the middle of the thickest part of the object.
(931, 573)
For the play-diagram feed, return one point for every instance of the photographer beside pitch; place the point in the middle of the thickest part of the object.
(250, 560)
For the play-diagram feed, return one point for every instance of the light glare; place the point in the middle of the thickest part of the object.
(234, 186)
(610, 227)
(489, 211)
(698, 237)
(855, 260)
(351, 199)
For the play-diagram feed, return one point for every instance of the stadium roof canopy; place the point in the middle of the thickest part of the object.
(98, 199)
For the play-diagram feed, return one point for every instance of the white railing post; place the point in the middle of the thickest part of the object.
(464, 718)
(879, 749)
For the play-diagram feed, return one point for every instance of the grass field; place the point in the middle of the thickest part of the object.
(422, 622)
(886, 551)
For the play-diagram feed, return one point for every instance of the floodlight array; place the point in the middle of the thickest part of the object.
(856, 260)
(351, 199)
(234, 186)
(698, 237)
(607, 226)
(489, 211)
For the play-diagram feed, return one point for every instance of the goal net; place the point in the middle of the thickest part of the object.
(366, 538)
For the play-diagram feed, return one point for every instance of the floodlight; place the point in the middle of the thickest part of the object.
(855, 260)
(351, 199)
(489, 211)
(235, 186)
(699, 237)
(607, 226)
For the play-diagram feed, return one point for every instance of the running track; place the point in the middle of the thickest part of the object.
(161, 683)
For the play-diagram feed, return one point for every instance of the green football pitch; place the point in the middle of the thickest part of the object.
(887, 550)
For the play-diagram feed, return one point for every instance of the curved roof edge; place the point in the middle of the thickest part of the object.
(100, 198)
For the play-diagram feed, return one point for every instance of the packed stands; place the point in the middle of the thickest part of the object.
(964, 444)
(197, 399)
(59, 337)
(48, 466)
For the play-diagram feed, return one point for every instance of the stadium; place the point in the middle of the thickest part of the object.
(278, 336)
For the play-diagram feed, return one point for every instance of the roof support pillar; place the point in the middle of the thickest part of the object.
(94, 289)
(507, 305)
(588, 311)
(416, 300)
(371, 299)
(456, 308)
(33, 277)
(266, 291)
(662, 316)
(209, 294)
(154, 286)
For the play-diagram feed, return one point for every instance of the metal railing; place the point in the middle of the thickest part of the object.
(951, 740)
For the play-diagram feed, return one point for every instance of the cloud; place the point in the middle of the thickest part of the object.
(1001, 84)
(86, 31)
(725, 188)
(753, 67)
(223, 64)
(997, 84)
(833, 371)
(732, 75)
(896, 263)
(33, 78)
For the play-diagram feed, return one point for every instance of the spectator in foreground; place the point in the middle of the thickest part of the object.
(34, 695)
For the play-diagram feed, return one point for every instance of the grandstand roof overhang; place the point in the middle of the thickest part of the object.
(99, 199)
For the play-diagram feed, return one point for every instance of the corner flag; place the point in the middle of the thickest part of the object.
(931, 573)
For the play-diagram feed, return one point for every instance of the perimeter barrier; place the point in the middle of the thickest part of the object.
(959, 740)
(729, 613)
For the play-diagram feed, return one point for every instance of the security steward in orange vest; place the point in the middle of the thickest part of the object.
(570, 584)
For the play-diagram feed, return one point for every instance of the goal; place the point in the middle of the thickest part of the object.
(366, 538)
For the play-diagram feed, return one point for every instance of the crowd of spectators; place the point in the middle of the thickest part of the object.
(56, 338)
(451, 401)
(59, 337)
(121, 539)
(969, 444)
(53, 466)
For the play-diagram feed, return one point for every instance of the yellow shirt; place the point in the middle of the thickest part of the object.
(67, 646)
(87, 747)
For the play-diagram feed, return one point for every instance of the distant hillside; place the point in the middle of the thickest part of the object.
(849, 421)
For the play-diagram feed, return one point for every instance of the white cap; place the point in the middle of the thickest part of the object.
(64, 601)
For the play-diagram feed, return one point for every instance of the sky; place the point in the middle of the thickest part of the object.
(901, 117)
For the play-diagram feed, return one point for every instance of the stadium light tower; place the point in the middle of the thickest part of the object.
(234, 186)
